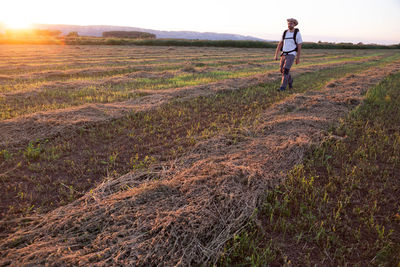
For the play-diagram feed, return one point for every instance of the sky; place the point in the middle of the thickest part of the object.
(367, 21)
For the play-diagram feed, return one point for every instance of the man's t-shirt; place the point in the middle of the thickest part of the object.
(289, 44)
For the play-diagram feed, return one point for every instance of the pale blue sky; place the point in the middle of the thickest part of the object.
(368, 21)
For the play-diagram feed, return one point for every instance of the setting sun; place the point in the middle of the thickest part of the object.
(18, 24)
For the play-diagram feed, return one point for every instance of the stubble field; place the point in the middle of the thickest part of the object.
(74, 119)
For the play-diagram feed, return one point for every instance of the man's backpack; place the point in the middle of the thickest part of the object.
(294, 39)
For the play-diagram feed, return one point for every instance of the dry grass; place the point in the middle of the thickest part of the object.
(79, 150)
(183, 211)
(58, 96)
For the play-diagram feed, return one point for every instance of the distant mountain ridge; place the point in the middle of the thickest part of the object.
(97, 30)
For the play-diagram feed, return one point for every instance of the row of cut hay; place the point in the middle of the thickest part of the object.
(68, 124)
(102, 70)
(165, 217)
(14, 69)
(107, 68)
(183, 212)
(20, 130)
(79, 79)
(103, 54)
(62, 95)
(41, 63)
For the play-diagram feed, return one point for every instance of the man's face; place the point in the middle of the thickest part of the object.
(290, 25)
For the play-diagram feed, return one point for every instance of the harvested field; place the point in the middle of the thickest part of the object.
(163, 153)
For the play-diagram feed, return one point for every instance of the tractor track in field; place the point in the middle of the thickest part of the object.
(183, 212)
(17, 132)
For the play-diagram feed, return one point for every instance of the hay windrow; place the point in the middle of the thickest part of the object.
(183, 212)
(17, 132)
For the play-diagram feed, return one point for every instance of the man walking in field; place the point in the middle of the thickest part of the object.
(290, 45)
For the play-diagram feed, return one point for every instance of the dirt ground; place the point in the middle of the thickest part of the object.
(183, 212)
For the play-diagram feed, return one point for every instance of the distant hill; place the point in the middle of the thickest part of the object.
(97, 30)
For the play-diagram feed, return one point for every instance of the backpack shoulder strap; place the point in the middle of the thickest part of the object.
(295, 35)
(284, 34)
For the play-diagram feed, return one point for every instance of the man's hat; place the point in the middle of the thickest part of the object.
(293, 20)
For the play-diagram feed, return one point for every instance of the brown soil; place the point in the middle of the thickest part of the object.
(19, 131)
(183, 212)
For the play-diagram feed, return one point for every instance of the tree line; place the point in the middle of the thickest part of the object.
(149, 39)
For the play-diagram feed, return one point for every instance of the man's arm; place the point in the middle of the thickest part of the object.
(278, 49)
(298, 53)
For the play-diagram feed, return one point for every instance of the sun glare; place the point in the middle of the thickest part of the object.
(18, 24)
